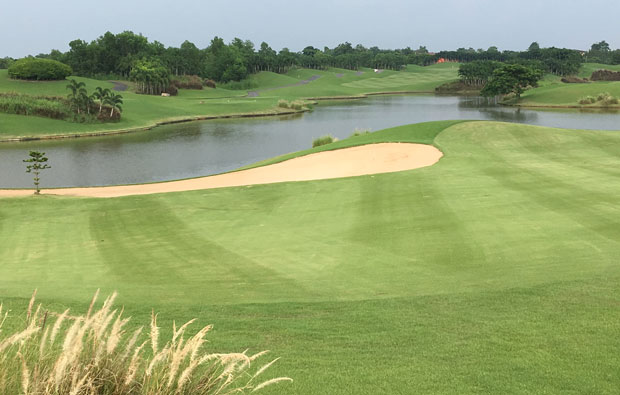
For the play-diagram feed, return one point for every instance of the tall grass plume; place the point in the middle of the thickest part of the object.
(97, 355)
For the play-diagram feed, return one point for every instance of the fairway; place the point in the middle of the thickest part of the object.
(493, 271)
(147, 111)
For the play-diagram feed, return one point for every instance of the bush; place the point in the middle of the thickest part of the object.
(6, 62)
(297, 105)
(210, 84)
(605, 75)
(283, 104)
(587, 100)
(360, 132)
(602, 96)
(42, 106)
(187, 82)
(94, 353)
(326, 139)
(39, 69)
(172, 89)
(104, 115)
(54, 107)
(574, 80)
(609, 101)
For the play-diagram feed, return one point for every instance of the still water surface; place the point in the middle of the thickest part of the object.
(209, 147)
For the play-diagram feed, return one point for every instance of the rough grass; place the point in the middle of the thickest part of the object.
(93, 353)
(552, 92)
(323, 140)
(588, 68)
(493, 271)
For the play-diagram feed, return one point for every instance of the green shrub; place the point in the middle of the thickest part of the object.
(187, 82)
(6, 62)
(587, 100)
(610, 101)
(602, 96)
(297, 105)
(172, 89)
(56, 108)
(326, 139)
(283, 104)
(39, 69)
(42, 106)
(360, 132)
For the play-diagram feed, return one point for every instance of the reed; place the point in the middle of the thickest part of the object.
(96, 354)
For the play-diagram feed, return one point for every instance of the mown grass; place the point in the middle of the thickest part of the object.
(493, 271)
(552, 92)
(144, 110)
(588, 68)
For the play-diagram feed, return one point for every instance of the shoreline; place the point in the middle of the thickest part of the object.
(149, 127)
(573, 107)
(366, 159)
(273, 113)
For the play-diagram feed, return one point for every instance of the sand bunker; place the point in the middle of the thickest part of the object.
(355, 161)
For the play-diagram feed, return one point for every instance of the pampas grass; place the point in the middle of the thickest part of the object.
(325, 139)
(96, 355)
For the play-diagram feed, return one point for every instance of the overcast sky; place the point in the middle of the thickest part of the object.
(32, 27)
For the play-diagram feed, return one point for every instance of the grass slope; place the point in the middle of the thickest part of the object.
(553, 92)
(143, 110)
(494, 271)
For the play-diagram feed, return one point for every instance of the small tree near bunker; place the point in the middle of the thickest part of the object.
(38, 162)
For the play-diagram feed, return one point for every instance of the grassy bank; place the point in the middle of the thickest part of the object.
(554, 93)
(143, 111)
(493, 271)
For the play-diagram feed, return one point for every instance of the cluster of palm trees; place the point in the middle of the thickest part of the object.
(81, 102)
(151, 77)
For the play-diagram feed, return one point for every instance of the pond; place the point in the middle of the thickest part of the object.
(209, 147)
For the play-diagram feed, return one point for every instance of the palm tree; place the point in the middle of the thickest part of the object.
(78, 91)
(100, 94)
(114, 101)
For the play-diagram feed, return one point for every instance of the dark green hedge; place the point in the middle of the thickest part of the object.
(39, 69)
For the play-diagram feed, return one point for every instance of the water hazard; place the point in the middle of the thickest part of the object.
(209, 147)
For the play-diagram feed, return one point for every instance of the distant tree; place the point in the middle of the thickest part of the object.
(478, 72)
(601, 53)
(309, 51)
(534, 47)
(151, 76)
(38, 162)
(6, 62)
(191, 58)
(511, 78)
(600, 46)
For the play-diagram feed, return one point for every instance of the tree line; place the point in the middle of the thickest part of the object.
(126, 53)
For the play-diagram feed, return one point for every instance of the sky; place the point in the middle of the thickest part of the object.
(38, 26)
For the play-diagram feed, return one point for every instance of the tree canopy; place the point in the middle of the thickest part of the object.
(119, 54)
(511, 78)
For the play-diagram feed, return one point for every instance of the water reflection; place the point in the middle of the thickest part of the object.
(200, 148)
